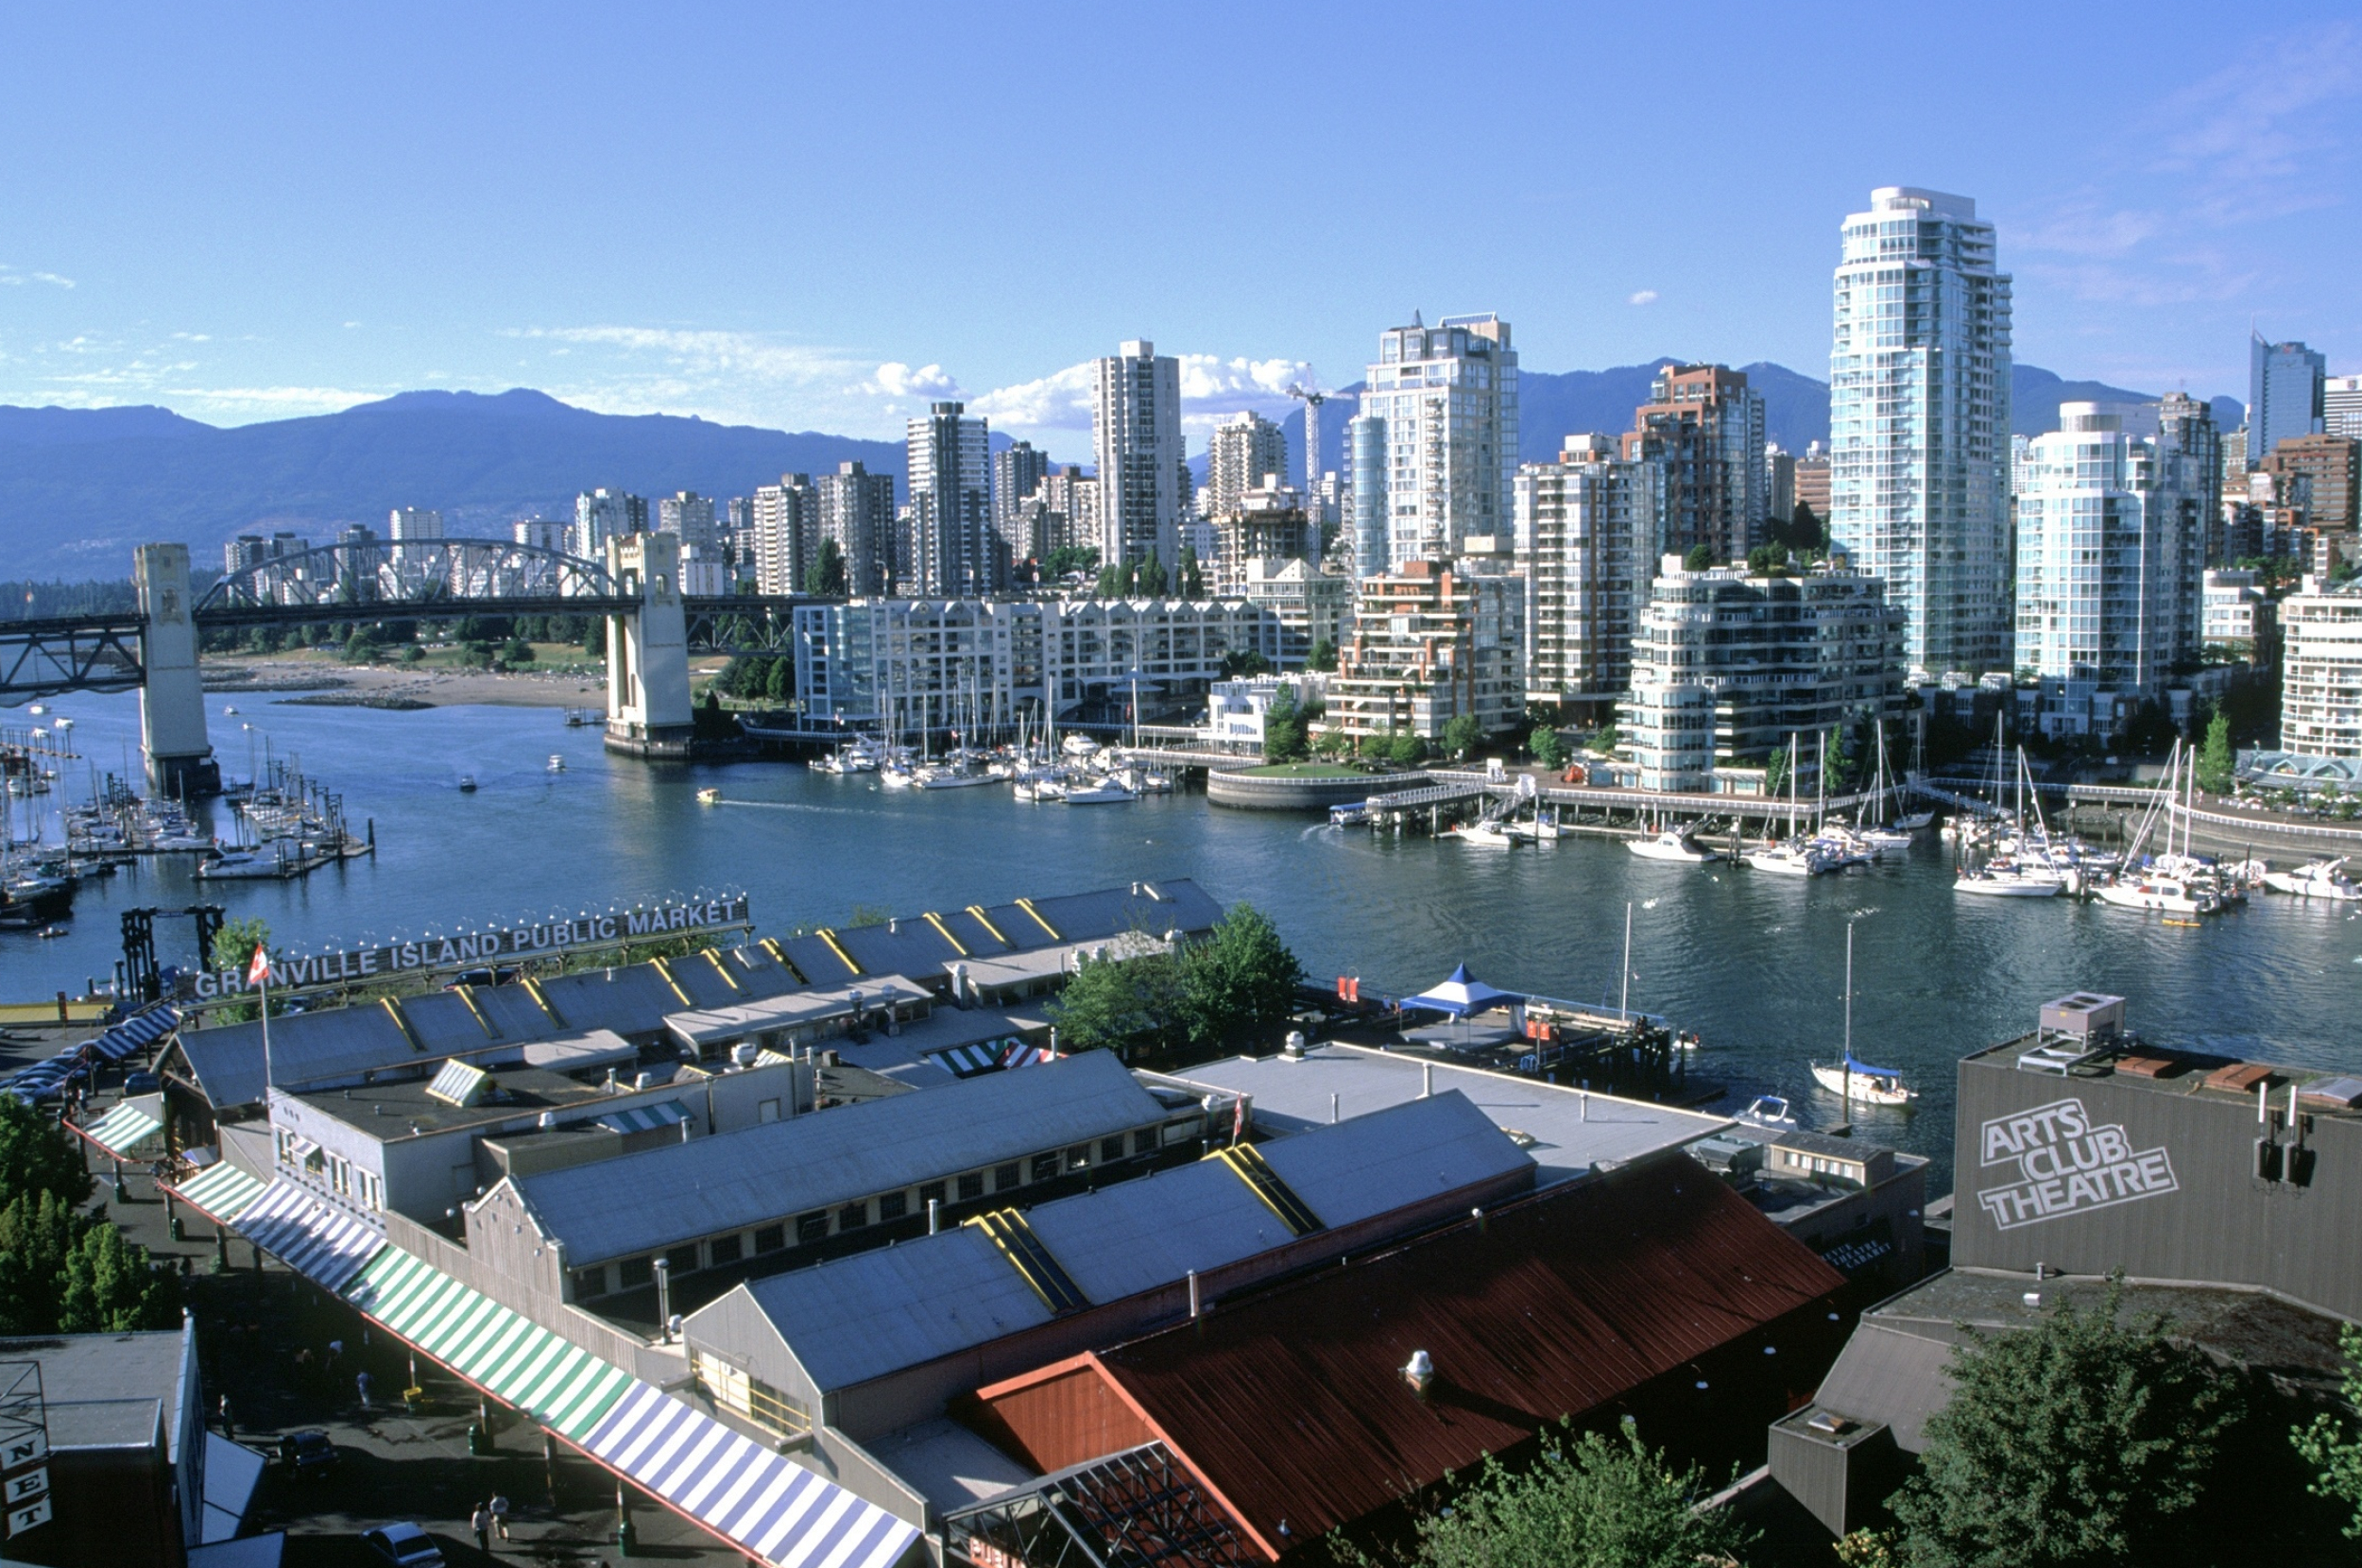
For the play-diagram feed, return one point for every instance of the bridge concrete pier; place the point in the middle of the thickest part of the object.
(648, 711)
(173, 743)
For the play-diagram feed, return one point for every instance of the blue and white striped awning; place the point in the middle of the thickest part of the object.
(761, 1500)
(992, 1056)
(644, 1118)
(140, 1031)
(311, 1235)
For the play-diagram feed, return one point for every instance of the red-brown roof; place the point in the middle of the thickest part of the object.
(1293, 1407)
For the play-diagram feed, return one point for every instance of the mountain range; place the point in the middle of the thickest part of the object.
(79, 488)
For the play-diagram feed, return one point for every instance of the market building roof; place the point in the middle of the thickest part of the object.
(1294, 1407)
(616, 1208)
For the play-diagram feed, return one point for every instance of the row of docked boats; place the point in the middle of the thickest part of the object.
(1077, 771)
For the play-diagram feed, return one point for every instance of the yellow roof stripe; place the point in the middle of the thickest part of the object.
(720, 968)
(978, 911)
(838, 948)
(393, 1011)
(936, 921)
(664, 969)
(532, 989)
(1027, 905)
(467, 995)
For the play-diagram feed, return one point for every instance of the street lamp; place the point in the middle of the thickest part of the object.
(664, 1297)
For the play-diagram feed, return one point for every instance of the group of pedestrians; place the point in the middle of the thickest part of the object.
(488, 1520)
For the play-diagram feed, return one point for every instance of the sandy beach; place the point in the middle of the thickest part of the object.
(269, 680)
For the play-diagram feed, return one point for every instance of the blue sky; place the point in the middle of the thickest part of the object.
(817, 219)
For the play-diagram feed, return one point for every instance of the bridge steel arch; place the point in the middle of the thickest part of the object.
(413, 579)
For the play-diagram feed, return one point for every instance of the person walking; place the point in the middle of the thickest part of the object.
(481, 1522)
(361, 1381)
(228, 1429)
(500, 1515)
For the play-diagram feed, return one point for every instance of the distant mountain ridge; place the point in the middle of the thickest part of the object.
(81, 487)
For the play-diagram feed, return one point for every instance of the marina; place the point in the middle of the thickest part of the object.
(1751, 963)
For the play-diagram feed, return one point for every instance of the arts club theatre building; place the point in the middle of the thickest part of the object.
(2228, 1192)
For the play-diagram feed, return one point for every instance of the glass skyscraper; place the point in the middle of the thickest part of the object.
(1434, 451)
(1919, 423)
(2286, 382)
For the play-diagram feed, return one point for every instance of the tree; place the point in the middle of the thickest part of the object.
(38, 1230)
(1112, 1002)
(1115, 581)
(233, 949)
(1245, 661)
(112, 1288)
(2332, 1446)
(1699, 559)
(1546, 747)
(2080, 1442)
(517, 651)
(1768, 559)
(1283, 728)
(1405, 748)
(594, 637)
(2217, 769)
(1588, 1502)
(1775, 773)
(360, 647)
(36, 1156)
(1323, 659)
(1070, 558)
(1463, 734)
(779, 682)
(1330, 745)
(1239, 984)
(1191, 577)
(1151, 580)
(826, 574)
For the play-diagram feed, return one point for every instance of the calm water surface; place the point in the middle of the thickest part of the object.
(1755, 963)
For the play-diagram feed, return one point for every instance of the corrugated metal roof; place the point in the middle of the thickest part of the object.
(1372, 1164)
(618, 1207)
(1116, 1242)
(1177, 905)
(1293, 1407)
(876, 1312)
(227, 1061)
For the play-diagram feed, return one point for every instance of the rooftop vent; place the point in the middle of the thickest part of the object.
(2086, 1014)
(1419, 1372)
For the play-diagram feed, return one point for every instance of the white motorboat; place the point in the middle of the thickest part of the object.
(467, 783)
(895, 776)
(950, 778)
(1915, 822)
(1885, 842)
(1791, 859)
(2011, 881)
(249, 864)
(1105, 792)
(2315, 879)
(557, 763)
(1040, 787)
(1769, 1111)
(1671, 845)
(1079, 745)
(1492, 835)
(2165, 894)
(1858, 1081)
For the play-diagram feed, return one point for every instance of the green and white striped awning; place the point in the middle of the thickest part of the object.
(562, 1385)
(645, 1118)
(221, 1191)
(122, 1129)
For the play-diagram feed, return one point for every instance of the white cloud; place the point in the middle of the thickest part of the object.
(1212, 389)
(897, 380)
(53, 278)
(697, 353)
(1644, 297)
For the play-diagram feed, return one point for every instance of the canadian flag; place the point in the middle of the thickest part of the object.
(259, 970)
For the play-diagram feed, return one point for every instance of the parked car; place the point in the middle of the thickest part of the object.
(307, 1454)
(141, 1082)
(402, 1546)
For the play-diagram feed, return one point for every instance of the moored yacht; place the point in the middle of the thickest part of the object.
(2315, 879)
(1673, 844)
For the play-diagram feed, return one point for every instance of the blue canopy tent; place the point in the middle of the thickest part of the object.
(1462, 995)
(1866, 1071)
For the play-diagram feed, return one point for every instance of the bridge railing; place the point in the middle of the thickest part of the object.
(407, 577)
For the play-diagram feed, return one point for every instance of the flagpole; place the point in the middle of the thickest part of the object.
(265, 985)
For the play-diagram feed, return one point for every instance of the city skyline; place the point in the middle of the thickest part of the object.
(386, 252)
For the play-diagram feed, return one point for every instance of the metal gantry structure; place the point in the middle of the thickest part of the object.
(1137, 1508)
(80, 653)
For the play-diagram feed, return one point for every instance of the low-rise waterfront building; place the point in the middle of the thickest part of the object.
(931, 665)
(1728, 665)
(1312, 605)
(1433, 641)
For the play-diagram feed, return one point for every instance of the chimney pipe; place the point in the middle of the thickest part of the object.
(1426, 1080)
(1193, 1302)
(1332, 1110)
(934, 1216)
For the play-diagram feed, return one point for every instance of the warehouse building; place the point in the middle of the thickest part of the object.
(873, 1344)
(774, 1194)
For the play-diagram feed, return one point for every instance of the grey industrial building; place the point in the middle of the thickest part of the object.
(2228, 1192)
(876, 1344)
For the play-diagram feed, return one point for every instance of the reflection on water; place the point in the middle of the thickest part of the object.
(1755, 963)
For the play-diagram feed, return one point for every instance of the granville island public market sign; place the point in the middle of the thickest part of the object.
(2065, 1165)
(540, 939)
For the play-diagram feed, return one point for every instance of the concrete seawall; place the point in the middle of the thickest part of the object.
(1296, 793)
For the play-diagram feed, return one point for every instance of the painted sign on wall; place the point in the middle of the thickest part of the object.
(2063, 1164)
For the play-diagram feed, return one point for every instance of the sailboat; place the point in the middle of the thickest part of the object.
(1856, 1080)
